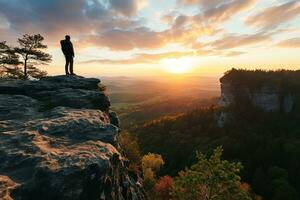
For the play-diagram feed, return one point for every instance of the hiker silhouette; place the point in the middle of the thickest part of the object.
(68, 50)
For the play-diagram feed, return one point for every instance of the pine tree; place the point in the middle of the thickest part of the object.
(9, 61)
(31, 49)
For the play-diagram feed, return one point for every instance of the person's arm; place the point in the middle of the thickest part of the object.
(63, 49)
(72, 50)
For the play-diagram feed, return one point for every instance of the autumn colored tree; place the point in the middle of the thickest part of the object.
(210, 179)
(151, 164)
(132, 151)
(31, 50)
(163, 188)
(152, 161)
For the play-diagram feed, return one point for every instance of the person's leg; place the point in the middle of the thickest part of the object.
(67, 65)
(71, 65)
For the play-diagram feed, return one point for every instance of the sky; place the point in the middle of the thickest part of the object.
(160, 37)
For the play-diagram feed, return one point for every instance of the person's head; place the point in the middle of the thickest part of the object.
(68, 37)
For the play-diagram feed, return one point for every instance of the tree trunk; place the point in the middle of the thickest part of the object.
(25, 69)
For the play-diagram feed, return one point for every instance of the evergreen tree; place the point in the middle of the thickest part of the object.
(31, 49)
(9, 62)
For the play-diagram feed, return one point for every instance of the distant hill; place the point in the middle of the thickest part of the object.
(138, 100)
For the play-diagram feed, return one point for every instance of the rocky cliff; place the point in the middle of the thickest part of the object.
(270, 91)
(58, 140)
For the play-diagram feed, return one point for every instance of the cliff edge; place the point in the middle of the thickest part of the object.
(271, 91)
(58, 140)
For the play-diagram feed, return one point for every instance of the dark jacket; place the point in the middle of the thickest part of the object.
(67, 47)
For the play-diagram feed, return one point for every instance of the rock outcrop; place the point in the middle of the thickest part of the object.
(58, 140)
(265, 98)
(268, 91)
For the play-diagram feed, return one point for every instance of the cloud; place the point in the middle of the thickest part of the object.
(205, 4)
(28, 15)
(218, 10)
(224, 11)
(109, 23)
(234, 41)
(117, 25)
(274, 16)
(156, 58)
(290, 43)
(127, 7)
(54, 18)
(213, 14)
(188, 2)
(215, 52)
(167, 19)
(118, 39)
(182, 31)
(142, 58)
(233, 53)
(114, 24)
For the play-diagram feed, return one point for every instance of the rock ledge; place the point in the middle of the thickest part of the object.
(58, 140)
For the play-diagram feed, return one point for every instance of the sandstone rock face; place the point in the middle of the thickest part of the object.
(75, 98)
(47, 84)
(58, 140)
(17, 106)
(227, 97)
(70, 91)
(6, 186)
(265, 98)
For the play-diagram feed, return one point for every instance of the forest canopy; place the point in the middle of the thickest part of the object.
(255, 79)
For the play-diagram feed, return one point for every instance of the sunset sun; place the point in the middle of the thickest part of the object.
(177, 66)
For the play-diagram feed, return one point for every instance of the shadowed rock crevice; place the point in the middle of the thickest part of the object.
(58, 140)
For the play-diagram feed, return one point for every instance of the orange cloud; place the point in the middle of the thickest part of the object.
(233, 53)
(274, 16)
(183, 31)
(188, 2)
(125, 40)
(233, 41)
(116, 25)
(291, 43)
(143, 58)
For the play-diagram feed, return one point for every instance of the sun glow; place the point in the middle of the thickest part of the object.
(177, 66)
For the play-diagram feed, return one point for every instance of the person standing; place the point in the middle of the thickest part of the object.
(68, 51)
